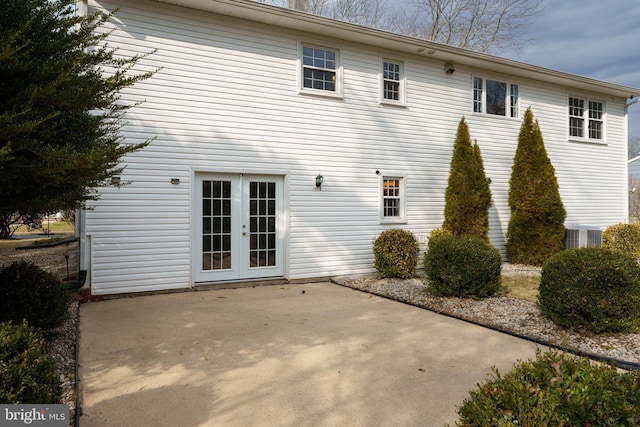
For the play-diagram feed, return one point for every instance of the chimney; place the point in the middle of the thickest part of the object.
(301, 5)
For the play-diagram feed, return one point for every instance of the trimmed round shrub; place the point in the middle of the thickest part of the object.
(623, 238)
(592, 287)
(28, 292)
(555, 390)
(396, 253)
(27, 372)
(462, 266)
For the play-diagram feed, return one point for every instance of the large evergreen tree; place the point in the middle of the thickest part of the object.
(536, 227)
(467, 197)
(60, 110)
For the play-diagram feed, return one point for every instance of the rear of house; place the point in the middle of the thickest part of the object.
(285, 142)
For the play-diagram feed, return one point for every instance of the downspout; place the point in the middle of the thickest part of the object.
(626, 113)
(82, 10)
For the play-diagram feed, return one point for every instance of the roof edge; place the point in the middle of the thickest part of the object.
(302, 21)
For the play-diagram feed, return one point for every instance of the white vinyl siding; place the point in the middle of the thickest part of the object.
(227, 100)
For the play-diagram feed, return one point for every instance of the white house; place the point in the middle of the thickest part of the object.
(285, 142)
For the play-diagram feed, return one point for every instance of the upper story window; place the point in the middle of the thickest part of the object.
(586, 119)
(392, 82)
(392, 199)
(495, 97)
(320, 70)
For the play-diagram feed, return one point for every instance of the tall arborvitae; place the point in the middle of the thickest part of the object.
(536, 227)
(468, 197)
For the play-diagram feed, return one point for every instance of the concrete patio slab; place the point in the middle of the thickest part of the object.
(294, 355)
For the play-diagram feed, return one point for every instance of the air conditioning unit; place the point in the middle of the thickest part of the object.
(578, 236)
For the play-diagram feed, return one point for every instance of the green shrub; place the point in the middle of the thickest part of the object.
(555, 390)
(396, 253)
(30, 293)
(27, 373)
(467, 196)
(593, 287)
(624, 238)
(536, 225)
(462, 266)
(438, 232)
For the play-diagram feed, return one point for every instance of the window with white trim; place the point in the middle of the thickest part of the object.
(392, 81)
(495, 97)
(392, 199)
(586, 119)
(320, 69)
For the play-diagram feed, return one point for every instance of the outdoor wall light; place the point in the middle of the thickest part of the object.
(449, 68)
(319, 181)
(175, 181)
(115, 180)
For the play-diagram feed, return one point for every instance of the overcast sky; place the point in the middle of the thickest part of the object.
(591, 38)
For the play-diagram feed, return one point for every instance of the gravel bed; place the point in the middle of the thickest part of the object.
(504, 313)
(55, 260)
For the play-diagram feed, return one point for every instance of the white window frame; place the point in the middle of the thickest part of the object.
(586, 118)
(337, 92)
(401, 81)
(479, 97)
(401, 200)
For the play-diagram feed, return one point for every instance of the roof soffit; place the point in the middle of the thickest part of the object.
(305, 22)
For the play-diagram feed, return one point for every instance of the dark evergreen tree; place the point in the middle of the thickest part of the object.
(536, 227)
(60, 112)
(468, 197)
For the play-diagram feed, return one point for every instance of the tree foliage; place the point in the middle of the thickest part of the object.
(536, 226)
(467, 197)
(481, 25)
(60, 109)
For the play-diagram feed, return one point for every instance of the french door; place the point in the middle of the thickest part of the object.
(238, 227)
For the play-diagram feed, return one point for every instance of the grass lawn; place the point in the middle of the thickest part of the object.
(520, 287)
(24, 237)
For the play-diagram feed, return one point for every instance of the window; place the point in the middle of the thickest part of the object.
(320, 69)
(495, 97)
(392, 199)
(392, 82)
(586, 119)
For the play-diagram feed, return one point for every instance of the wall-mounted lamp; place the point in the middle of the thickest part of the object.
(175, 181)
(319, 181)
(449, 68)
(115, 180)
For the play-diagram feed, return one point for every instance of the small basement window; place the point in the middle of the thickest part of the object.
(392, 196)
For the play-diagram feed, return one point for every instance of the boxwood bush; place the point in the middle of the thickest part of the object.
(555, 390)
(462, 266)
(592, 287)
(27, 373)
(396, 253)
(623, 238)
(28, 292)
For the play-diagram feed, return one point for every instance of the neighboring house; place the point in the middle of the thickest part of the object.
(256, 105)
(634, 189)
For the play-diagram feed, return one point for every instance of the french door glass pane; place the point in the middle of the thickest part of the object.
(216, 225)
(262, 220)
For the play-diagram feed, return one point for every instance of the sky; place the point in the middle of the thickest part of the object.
(591, 38)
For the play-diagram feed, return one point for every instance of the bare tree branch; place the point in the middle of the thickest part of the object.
(481, 25)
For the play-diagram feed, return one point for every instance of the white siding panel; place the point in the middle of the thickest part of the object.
(226, 99)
